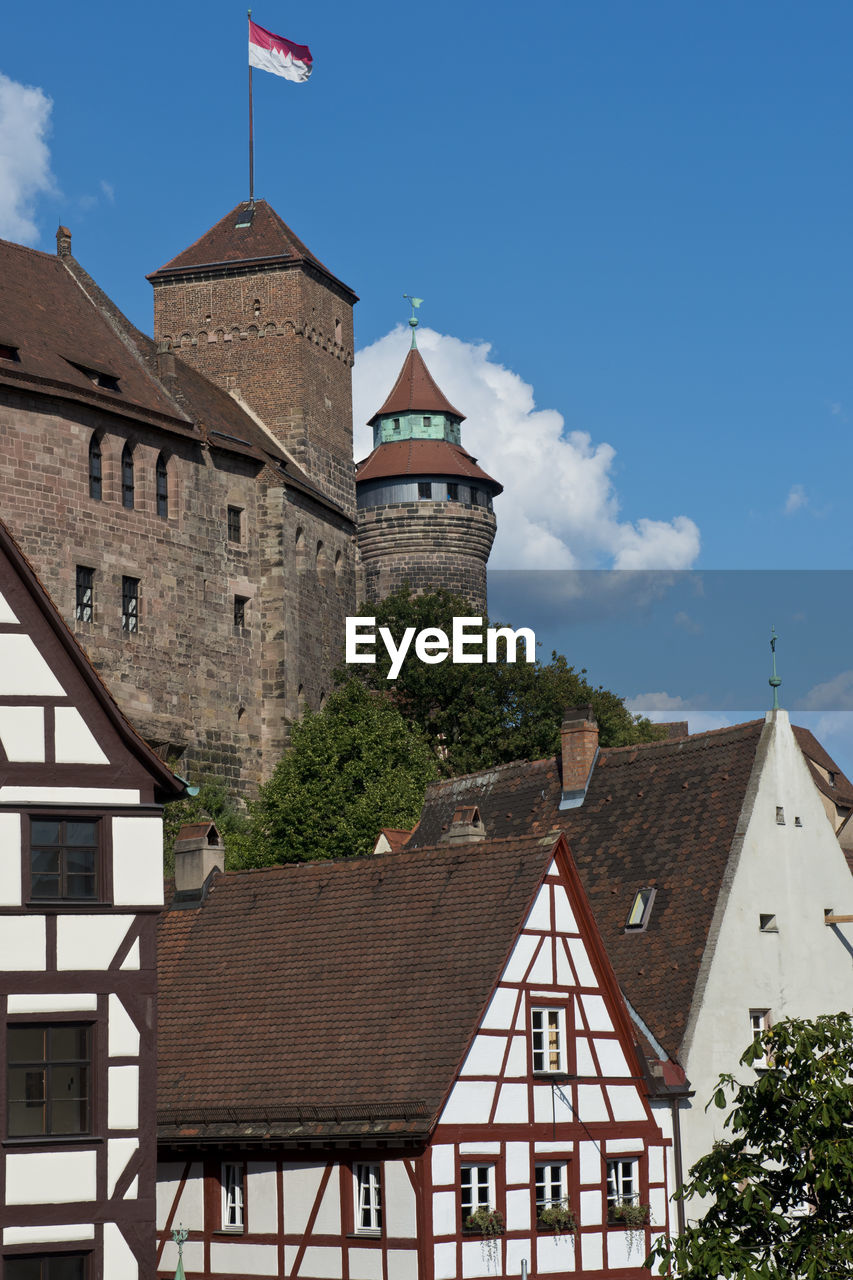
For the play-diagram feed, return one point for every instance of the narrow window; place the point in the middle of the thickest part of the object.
(9, 353)
(127, 481)
(130, 604)
(475, 497)
(551, 1187)
(759, 1022)
(395, 422)
(767, 923)
(424, 489)
(162, 488)
(63, 859)
(780, 815)
(235, 524)
(240, 603)
(48, 1079)
(339, 332)
(548, 1027)
(622, 1186)
(368, 1199)
(641, 909)
(427, 422)
(232, 1197)
(453, 493)
(84, 605)
(49, 1266)
(96, 488)
(477, 1189)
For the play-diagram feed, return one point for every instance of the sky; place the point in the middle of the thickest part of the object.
(630, 227)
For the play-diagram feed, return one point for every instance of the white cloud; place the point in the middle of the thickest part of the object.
(832, 695)
(662, 707)
(24, 157)
(559, 509)
(108, 190)
(795, 500)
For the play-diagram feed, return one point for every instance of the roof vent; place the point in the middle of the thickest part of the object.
(467, 826)
(198, 851)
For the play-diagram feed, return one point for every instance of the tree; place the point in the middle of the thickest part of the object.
(479, 715)
(213, 800)
(783, 1183)
(353, 768)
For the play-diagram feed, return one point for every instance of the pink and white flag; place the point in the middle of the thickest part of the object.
(282, 57)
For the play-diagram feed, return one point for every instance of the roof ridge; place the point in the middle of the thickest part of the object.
(689, 737)
(27, 248)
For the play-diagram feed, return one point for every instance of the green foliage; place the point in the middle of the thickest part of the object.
(783, 1182)
(558, 1218)
(215, 801)
(489, 1222)
(353, 768)
(479, 715)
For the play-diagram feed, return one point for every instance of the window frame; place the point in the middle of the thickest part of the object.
(129, 616)
(240, 607)
(548, 1201)
(128, 478)
(536, 1010)
(161, 486)
(760, 1020)
(9, 1259)
(96, 469)
(234, 524)
(82, 587)
(62, 817)
(238, 1202)
(645, 899)
(617, 1164)
(48, 1064)
(489, 1183)
(367, 1176)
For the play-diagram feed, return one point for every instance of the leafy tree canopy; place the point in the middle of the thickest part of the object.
(478, 715)
(215, 801)
(783, 1182)
(353, 768)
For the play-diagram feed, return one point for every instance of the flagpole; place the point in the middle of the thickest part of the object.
(251, 132)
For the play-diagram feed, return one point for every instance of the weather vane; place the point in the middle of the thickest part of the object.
(774, 680)
(179, 1235)
(413, 319)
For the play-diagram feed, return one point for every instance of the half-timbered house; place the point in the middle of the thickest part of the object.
(415, 1066)
(80, 890)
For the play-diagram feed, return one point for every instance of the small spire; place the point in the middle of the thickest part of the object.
(774, 680)
(413, 319)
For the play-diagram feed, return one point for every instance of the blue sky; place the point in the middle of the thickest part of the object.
(629, 222)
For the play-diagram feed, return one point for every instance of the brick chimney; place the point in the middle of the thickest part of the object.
(63, 242)
(579, 744)
(198, 850)
(466, 827)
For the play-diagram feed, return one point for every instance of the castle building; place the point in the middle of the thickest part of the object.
(425, 514)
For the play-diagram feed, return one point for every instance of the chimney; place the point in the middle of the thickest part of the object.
(579, 743)
(63, 242)
(466, 827)
(198, 851)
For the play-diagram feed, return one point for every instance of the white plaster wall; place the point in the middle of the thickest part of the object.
(75, 743)
(540, 912)
(399, 1200)
(123, 1097)
(485, 1056)
(555, 1253)
(22, 943)
(190, 1208)
(119, 1151)
(470, 1102)
(402, 1264)
(22, 733)
(237, 1258)
(119, 1260)
(365, 1264)
(68, 795)
(49, 1003)
(522, 954)
(49, 1234)
(6, 614)
(55, 1177)
(323, 1263)
(89, 942)
(803, 970)
(137, 861)
(123, 1035)
(328, 1220)
(443, 1213)
(443, 1167)
(583, 968)
(262, 1196)
(193, 1257)
(592, 1251)
(499, 1015)
(301, 1184)
(10, 859)
(23, 671)
(444, 1261)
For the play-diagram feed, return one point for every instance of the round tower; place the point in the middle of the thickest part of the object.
(425, 512)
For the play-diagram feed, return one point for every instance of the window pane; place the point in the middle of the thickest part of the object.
(69, 1044)
(26, 1044)
(45, 862)
(70, 1266)
(44, 832)
(80, 861)
(80, 833)
(23, 1268)
(78, 887)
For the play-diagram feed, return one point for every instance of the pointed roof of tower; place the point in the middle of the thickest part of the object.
(247, 235)
(416, 391)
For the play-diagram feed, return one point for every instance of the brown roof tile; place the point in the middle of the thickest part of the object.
(416, 391)
(841, 792)
(343, 984)
(422, 458)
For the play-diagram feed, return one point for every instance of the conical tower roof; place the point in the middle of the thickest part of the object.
(249, 234)
(416, 391)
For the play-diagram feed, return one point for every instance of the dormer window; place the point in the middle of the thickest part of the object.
(10, 353)
(106, 381)
(641, 908)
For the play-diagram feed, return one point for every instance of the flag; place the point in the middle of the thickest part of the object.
(282, 57)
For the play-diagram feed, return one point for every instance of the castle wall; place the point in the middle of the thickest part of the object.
(283, 337)
(222, 695)
(427, 545)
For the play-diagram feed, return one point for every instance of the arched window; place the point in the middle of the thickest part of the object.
(96, 472)
(127, 485)
(162, 487)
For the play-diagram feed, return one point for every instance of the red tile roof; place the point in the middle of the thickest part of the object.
(841, 792)
(266, 239)
(422, 458)
(416, 391)
(351, 985)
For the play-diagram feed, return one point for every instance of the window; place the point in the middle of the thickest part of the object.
(127, 481)
(48, 1080)
(130, 604)
(427, 423)
(622, 1185)
(477, 1187)
(641, 909)
(51, 1266)
(453, 493)
(240, 603)
(232, 1197)
(475, 497)
(424, 489)
(9, 353)
(95, 469)
(235, 522)
(549, 1038)
(759, 1022)
(63, 859)
(551, 1186)
(395, 422)
(83, 610)
(368, 1198)
(767, 923)
(162, 488)
(108, 381)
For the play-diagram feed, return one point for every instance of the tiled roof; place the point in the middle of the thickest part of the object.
(841, 792)
(422, 458)
(352, 985)
(265, 238)
(662, 814)
(416, 391)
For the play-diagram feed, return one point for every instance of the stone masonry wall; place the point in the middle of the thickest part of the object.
(283, 337)
(427, 545)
